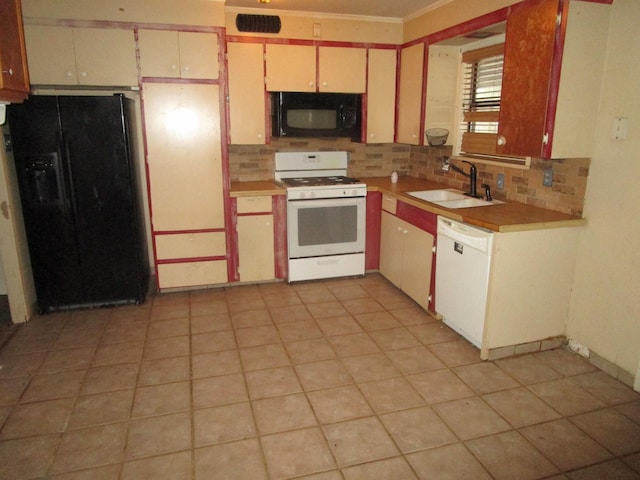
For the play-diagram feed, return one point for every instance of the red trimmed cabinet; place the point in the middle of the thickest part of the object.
(553, 68)
(407, 239)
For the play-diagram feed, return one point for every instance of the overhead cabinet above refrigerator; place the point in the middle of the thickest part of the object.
(79, 197)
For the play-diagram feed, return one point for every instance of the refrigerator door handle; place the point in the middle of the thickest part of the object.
(67, 158)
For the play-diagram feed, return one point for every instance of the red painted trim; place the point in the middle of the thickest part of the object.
(232, 243)
(281, 255)
(426, 221)
(68, 22)
(191, 260)
(185, 81)
(554, 80)
(365, 101)
(250, 214)
(397, 109)
(423, 100)
(181, 232)
(313, 43)
(374, 215)
(229, 220)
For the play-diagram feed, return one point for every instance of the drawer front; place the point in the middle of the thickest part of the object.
(389, 203)
(191, 274)
(254, 204)
(190, 245)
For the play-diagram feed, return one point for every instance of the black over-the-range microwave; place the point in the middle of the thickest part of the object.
(300, 114)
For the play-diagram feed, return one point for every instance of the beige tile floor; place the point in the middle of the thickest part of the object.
(327, 380)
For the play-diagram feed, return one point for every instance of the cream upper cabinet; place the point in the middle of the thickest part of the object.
(291, 68)
(342, 69)
(184, 156)
(381, 95)
(246, 93)
(81, 56)
(172, 54)
(410, 96)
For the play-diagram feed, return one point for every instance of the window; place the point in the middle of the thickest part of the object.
(481, 94)
(482, 86)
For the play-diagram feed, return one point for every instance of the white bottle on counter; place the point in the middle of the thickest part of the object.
(394, 177)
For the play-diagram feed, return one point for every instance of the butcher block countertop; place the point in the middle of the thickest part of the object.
(507, 217)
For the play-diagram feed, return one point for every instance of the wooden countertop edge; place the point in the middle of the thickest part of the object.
(501, 218)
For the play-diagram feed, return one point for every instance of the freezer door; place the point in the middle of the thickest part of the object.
(44, 187)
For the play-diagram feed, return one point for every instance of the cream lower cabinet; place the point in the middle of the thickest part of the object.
(406, 257)
(81, 56)
(256, 256)
(184, 161)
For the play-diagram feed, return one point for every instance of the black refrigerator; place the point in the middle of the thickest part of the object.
(80, 200)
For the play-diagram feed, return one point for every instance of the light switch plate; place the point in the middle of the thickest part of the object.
(620, 128)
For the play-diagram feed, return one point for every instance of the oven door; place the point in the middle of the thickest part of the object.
(321, 227)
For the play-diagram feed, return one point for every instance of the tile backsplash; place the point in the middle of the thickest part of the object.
(566, 194)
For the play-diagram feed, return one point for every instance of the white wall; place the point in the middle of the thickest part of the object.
(605, 306)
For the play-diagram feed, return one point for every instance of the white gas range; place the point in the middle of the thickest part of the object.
(326, 215)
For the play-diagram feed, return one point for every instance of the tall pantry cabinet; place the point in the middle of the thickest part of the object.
(183, 118)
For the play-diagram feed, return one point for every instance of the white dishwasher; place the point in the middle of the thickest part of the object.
(463, 259)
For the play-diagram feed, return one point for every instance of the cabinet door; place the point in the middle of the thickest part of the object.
(416, 264)
(256, 248)
(410, 101)
(391, 248)
(184, 156)
(51, 56)
(105, 56)
(198, 55)
(381, 96)
(528, 59)
(14, 76)
(442, 88)
(159, 53)
(246, 93)
(291, 68)
(342, 69)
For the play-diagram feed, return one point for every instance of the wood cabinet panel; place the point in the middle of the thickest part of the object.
(263, 203)
(14, 74)
(246, 93)
(51, 54)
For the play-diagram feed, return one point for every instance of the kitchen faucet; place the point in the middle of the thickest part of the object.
(472, 175)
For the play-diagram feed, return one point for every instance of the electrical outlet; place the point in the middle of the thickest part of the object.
(547, 179)
(500, 181)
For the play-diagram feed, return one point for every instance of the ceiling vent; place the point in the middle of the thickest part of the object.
(258, 23)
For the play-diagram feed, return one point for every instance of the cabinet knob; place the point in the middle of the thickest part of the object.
(10, 71)
(68, 73)
(372, 135)
(311, 84)
(260, 135)
(186, 68)
(174, 67)
(324, 84)
(83, 74)
(502, 140)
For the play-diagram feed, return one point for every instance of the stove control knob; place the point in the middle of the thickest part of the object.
(312, 194)
(354, 192)
(301, 195)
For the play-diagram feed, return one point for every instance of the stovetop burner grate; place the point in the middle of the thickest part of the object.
(319, 181)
